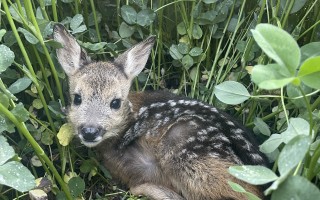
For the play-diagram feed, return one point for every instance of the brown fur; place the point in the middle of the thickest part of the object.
(161, 145)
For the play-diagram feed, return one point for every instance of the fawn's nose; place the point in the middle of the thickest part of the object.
(90, 133)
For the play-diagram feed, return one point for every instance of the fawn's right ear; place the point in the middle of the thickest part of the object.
(71, 56)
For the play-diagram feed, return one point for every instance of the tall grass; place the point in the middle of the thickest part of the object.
(200, 44)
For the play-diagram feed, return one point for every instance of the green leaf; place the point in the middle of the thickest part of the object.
(37, 103)
(231, 92)
(6, 151)
(129, 14)
(297, 5)
(183, 48)
(310, 50)
(17, 176)
(65, 134)
(20, 112)
(238, 188)
(297, 126)
(20, 85)
(296, 188)
(125, 30)
(196, 32)
(196, 51)
(293, 153)
(309, 72)
(181, 28)
(174, 52)
(146, 17)
(294, 92)
(255, 175)
(6, 57)
(209, 1)
(271, 76)
(91, 21)
(2, 32)
(271, 144)
(29, 36)
(6, 124)
(4, 100)
(278, 45)
(187, 62)
(79, 29)
(262, 126)
(76, 186)
(76, 21)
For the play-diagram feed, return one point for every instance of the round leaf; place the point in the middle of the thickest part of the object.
(310, 50)
(65, 134)
(20, 85)
(146, 17)
(6, 57)
(6, 151)
(183, 48)
(76, 21)
(29, 36)
(297, 126)
(271, 144)
(196, 32)
(255, 175)
(196, 51)
(17, 176)
(293, 153)
(2, 32)
(20, 112)
(128, 14)
(125, 30)
(76, 185)
(278, 45)
(309, 72)
(174, 52)
(187, 62)
(296, 187)
(262, 126)
(271, 76)
(181, 28)
(231, 92)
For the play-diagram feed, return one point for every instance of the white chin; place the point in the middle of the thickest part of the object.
(91, 144)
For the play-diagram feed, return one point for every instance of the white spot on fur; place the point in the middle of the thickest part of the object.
(191, 139)
(202, 132)
(202, 138)
(230, 123)
(142, 109)
(172, 103)
(157, 105)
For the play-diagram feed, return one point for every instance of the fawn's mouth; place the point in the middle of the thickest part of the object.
(91, 135)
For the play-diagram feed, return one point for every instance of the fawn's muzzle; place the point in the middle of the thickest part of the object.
(90, 133)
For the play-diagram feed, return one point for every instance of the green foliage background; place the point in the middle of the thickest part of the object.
(258, 60)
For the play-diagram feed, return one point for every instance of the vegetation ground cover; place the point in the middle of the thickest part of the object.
(257, 60)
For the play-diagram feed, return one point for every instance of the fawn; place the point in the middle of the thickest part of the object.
(161, 145)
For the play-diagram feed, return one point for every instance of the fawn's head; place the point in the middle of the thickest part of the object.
(99, 90)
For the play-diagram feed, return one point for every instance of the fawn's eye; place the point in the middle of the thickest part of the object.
(115, 104)
(77, 99)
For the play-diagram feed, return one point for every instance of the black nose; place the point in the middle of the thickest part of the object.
(90, 133)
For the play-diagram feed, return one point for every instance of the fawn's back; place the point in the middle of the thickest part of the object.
(159, 144)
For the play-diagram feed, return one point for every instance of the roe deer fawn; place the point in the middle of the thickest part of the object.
(161, 145)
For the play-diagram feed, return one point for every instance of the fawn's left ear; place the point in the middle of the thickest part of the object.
(71, 56)
(134, 59)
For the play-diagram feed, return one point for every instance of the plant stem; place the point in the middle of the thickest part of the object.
(95, 19)
(38, 150)
(54, 10)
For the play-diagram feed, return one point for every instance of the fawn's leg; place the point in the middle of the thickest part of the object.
(155, 192)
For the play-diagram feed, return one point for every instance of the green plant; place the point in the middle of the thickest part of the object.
(204, 50)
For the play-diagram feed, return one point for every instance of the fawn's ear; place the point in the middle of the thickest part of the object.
(134, 59)
(71, 56)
